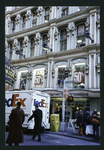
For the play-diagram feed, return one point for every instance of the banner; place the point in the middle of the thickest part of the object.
(9, 72)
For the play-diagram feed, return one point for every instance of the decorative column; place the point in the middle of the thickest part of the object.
(87, 29)
(40, 14)
(8, 26)
(28, 15)
(98, 71)
(49, 74)
(86, 75)
(98, 25)
(68, 37)
(38, 20)
(92, 71)
(55, 41)
(6, 45)
(45, 76)
(18, 22)
(35, 46)
(72, 29)
(93, 25)
(25, 45)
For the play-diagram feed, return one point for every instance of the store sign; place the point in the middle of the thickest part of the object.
(78, 77)
(9, 73)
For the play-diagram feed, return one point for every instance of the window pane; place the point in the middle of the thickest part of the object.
(81, 30)
(23, 80)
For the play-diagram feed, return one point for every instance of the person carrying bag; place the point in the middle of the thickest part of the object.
(16, 120)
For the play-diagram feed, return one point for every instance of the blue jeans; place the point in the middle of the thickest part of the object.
(95, 129)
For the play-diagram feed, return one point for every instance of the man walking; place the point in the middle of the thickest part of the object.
(95, 119)
(16, 119)
(37, 115)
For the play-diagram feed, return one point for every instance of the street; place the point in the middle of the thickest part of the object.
(53, 140)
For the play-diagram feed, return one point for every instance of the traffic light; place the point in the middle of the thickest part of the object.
(70, 99)
(65, 74)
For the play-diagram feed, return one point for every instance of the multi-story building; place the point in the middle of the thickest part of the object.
(63, 29)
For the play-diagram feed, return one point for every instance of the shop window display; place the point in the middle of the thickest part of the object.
(79, 81)
(39, 75)
(61, 77)
(23, 80)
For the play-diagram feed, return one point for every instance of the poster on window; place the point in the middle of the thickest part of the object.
(39, 78)
(78, 76)
(23, 80)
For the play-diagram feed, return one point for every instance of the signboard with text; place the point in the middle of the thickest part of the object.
(9, 72)
(78, 76)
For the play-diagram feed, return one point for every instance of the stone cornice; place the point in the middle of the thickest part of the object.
(56, 56)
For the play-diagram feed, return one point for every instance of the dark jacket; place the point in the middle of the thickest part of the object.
(15, 130)
(37, 115)
(80, 118)
(95, 119)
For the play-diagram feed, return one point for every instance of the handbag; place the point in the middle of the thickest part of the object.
(9, 122)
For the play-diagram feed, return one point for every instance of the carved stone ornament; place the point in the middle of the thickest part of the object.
(53, 73)
(55, 35)
(45, 73)
(48, 36)
(68, 31)
(86, 69)
(72, 29)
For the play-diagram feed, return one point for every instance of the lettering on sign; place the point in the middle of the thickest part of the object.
(78, 76)
(12, 101)
(42, 103)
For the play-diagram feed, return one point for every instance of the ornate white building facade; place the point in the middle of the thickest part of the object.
(63, 29)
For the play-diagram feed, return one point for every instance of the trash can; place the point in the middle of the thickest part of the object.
(54, 122)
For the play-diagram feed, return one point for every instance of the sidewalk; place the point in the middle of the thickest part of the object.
(70, 133)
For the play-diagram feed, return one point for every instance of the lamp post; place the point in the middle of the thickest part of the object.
(46, 47)
(18, 52)
(87, 35)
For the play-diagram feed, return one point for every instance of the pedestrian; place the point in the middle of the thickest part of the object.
(86, 120)
(16, 120)
(56, 110)
(95, 120)
(37, 115)
(80, 121)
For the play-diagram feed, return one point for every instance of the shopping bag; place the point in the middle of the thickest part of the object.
(81, 130)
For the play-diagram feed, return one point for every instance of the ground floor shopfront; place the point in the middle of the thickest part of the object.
(82, 99)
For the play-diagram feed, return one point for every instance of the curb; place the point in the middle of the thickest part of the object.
(72, 136)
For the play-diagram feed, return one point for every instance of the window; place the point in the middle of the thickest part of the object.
(23, 21)
(63, 40)
(79, 80)
(34, 17)
(13, 24)
(45, 40)
(10, 51)
(64, 11)
(32, 47)
(21, 48)
(23, 80)
(60, 77)
(47, 13)
(81, 35)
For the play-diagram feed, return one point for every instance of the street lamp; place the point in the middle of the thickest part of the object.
(46, 47)
(18, 52)
(87, 34)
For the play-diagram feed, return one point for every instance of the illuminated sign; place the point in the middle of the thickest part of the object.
(78, 77)
(12, 101)
(9, 73)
